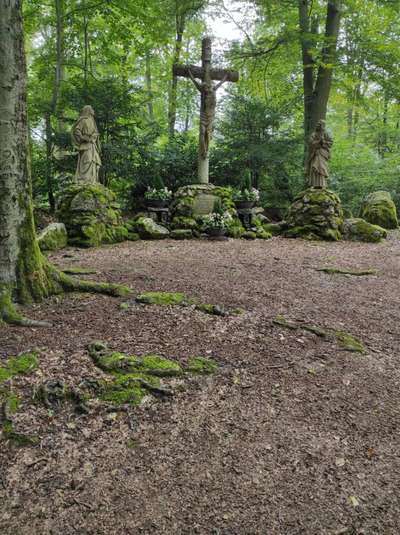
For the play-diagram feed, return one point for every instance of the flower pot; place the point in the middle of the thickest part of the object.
(216, 231)
(244, 205)
(157, 203)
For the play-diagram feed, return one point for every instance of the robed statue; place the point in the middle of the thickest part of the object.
(85, 138)
(319, 153)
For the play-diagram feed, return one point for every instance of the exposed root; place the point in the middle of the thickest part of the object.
(56, 282)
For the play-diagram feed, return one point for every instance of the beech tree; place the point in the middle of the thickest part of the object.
(317, 75)
(25, 275)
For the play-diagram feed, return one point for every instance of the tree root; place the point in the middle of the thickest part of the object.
(57, 282)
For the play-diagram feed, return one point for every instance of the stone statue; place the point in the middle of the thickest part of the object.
(319, 153)
(207, 110)
(85, 138)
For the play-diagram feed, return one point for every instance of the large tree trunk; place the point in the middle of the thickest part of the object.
(173, 95)
(21, 268)
(25, 275)
(317, 86)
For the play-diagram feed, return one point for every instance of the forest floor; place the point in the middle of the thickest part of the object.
(292, 435)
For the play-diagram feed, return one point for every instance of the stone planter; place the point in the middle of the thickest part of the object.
(215, 232)
(244, 205)
(157, 203)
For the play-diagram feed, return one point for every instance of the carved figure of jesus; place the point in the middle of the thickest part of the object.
(208, 93)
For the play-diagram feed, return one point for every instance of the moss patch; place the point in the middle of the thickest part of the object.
(135, 377)
(344, 340)
(10, 402)
(163, 298)
(24, 363)
(340, 271)
(202, 366)
(349, 343)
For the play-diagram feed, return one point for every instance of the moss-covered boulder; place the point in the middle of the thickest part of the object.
(276, 229)
(316, 214)
(357, 229)
(53, 237)
(148, 229)
(379, 209)
(91, 215)
(181, 234)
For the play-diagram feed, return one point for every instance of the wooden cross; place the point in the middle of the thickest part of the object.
(208, 99)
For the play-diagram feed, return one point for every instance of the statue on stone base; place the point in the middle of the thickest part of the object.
(319, 153)
(85, 137)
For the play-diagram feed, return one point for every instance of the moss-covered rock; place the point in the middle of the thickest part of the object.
(379, 209)
(181, 234)
(91, 215)
(316, 214)
(53, 237)
(263, 234)
(276, 229)
(150, 230)
(182, 222)
(358, 229)
(249, 235)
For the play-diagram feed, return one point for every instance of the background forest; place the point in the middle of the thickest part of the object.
(118, 57)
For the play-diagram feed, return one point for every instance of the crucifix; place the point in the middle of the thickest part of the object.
(208, 92)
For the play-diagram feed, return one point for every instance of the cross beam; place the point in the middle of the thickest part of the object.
(198, 72)
(208, 99)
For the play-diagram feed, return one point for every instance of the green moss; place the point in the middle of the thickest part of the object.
(263, 234)
(79, 271)
(24, 363)
(249, 235)
(121, 393)
(214, 310)
(283, 322)
(133, 236)
(379, 209)
(202, 366)
(53, 237)
(181, 234)
(159, 366)
(17, 439)
(235, 229)
(273, 228)
(182, 222)
(340, 271)
(359, 230)
(349, 342)
(163, 298)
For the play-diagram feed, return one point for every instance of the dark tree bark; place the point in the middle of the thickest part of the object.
(317, 82)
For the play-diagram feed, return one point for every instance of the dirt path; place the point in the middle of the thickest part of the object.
(293, 435)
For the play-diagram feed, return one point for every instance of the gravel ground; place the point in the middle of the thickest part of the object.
(292, 435)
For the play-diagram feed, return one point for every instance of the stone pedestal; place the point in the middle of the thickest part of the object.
(159, 215)
(247, 217)
(316, 214)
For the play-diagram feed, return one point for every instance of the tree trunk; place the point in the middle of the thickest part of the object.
(149, 86)
(180, 26)
(25, 275)
(316, 91)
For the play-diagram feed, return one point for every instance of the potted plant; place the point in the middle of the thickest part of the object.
(158, 196)
(246, 196)
(216, 223)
